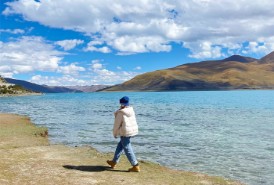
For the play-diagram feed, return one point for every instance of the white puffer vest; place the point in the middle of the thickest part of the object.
(125, 123)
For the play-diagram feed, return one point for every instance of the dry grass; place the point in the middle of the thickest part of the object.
(26, 158)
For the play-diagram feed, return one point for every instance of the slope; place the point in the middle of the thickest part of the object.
(235, 72)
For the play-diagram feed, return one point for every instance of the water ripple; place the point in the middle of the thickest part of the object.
(224, 133)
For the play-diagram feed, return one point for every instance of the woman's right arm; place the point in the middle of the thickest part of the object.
(117, 123)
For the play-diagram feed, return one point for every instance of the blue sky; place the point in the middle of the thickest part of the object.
(87, 42)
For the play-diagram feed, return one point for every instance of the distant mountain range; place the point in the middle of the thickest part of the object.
(54, 89)
(91, 88)
(234, 72)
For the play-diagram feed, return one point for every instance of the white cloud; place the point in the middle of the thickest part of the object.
(101, 75)
(58, 81)
(204, 50)
(103, 49)
(14, 31)
(261, 47)
(98, 68)
(96, 65)
(138, 68)
(130, 44)
(98, 74)
(71, 69)
(97, 45)
(20, 56)
(135, 26)
(69, 44)
(32, 54)
(5, 71)
(255, 47)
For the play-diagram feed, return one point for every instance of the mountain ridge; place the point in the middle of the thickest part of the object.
(239, 58)
(54, 89)
(234, 72)
(39, 88)
(268, 58)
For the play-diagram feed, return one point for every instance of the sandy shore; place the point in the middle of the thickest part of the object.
(26, 157)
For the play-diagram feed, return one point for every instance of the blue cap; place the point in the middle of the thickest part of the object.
(124, 101)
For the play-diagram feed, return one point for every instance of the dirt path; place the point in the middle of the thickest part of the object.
(27, 158)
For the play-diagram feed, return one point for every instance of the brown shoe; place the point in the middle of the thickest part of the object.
(111, 163)
(134, 169)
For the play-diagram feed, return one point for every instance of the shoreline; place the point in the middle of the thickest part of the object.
(19, 95)
(28, 157)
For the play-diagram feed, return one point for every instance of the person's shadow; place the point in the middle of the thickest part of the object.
(92, 168)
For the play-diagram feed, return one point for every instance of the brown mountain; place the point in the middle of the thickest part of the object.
(235, 72)
(268, 59)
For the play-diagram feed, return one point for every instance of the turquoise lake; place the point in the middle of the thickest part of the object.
(223, 133)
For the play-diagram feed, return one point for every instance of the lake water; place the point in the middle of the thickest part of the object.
(223, 133)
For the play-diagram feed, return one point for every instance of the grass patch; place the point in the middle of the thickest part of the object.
(21, 132)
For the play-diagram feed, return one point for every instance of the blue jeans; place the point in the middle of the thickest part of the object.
(125, 145)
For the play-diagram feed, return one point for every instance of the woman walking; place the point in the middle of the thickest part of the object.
(125, 126)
